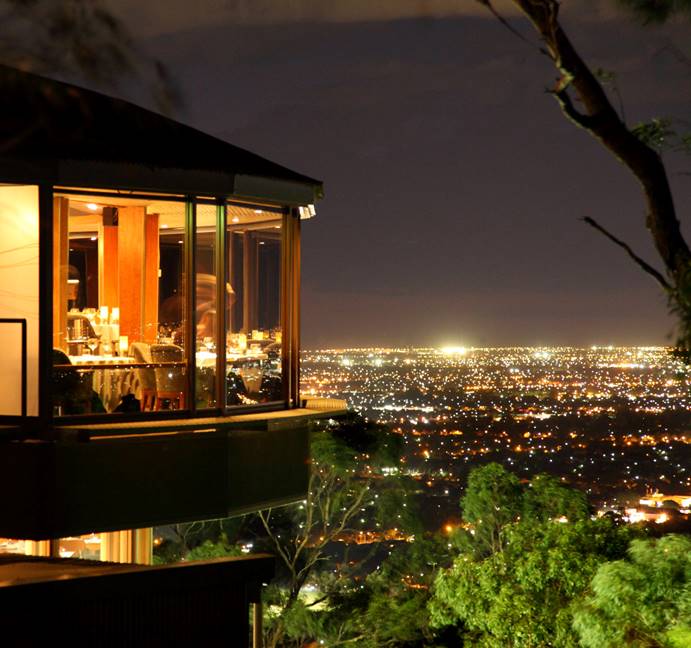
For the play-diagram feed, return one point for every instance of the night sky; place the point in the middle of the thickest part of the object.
(454, 187)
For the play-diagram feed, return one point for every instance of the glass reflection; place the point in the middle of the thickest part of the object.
(253, 316)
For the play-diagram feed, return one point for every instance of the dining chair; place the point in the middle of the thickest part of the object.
(171, 383)
(141, 352)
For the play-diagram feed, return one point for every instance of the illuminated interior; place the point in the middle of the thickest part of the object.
(18, 296)
(122, 337)
(130, 546)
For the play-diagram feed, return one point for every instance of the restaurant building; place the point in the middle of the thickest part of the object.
(149, 331)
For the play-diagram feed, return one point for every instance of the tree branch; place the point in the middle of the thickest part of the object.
(640, 262)
(506, 23)
(561, 94)
(600, 119)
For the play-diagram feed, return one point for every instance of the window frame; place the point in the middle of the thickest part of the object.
(289, 304)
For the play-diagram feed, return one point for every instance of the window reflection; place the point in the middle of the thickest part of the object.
(118, 305)
(206, 308)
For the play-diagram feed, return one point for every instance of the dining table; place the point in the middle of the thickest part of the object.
(247, 364)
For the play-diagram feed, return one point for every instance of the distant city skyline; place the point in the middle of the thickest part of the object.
(454, 187)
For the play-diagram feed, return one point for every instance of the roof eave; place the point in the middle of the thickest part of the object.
(139, 177)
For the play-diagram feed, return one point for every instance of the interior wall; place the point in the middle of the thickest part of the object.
(19, 274)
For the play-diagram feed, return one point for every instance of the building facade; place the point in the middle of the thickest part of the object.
(149, 325)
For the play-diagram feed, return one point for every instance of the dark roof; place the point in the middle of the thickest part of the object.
(47, 121)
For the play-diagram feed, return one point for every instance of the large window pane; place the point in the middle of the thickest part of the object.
(119, 305)
(206, 308)
(253, 313)
(18, 295)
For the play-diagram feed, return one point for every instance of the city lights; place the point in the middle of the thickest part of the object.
(610, 421)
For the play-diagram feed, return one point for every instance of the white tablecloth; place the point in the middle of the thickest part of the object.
(110, 383)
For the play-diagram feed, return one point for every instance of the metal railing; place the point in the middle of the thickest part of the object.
(22, 324)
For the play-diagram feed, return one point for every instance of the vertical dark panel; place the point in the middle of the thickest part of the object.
(286, 260)
(295, 332)
(190, 299)
(220, 305)
(45, 303)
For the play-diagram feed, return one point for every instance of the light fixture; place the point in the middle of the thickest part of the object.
(164, 226)
(258, 211)
(235, 219)
(92, 206)
(94, 238)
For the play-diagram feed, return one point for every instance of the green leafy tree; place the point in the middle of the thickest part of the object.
(643, 600)
(546, 498)
(492, 500)
(521, 597)
(533, 552)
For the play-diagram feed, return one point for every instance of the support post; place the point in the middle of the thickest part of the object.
(257, 631)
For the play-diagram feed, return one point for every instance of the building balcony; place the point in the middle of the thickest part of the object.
(103, 477)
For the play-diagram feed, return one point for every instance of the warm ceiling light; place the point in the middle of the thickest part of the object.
(258, 211)
(94, 238)
(236, 219)
(164, 226)
(92, 206)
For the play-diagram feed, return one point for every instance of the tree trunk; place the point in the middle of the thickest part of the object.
(601, 120)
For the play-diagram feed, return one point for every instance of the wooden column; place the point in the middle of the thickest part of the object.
(37, 547)
(108, 291)
(151, 278)
(61, 252)
(131, 253)
(143, 546)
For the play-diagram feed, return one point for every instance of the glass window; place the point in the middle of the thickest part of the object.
(206, 308)
(253, 312)
(119, 307)
(18, 295)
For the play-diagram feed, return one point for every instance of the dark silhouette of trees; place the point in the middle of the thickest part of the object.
(78, 40)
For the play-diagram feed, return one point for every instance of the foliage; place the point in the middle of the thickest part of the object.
(533, 553)
(656, 11)
(644, 600)
(397, 612)
(492, 500)
(656, 133)
(209, 550)
(201, 539)
(546, 498)
(521, 596)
